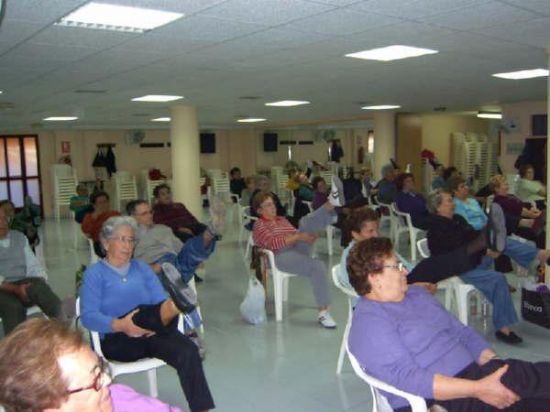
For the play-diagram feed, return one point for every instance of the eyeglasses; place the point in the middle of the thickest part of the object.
(400, 266)
(99, 380)
(124, 239)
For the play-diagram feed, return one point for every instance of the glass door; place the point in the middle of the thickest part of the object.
(20, 169)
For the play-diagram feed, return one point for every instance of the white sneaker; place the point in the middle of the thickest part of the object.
(334, 197)
(326, 320)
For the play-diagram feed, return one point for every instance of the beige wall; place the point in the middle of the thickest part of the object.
(520, 114)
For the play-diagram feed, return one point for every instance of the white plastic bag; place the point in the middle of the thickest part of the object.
(253, 305)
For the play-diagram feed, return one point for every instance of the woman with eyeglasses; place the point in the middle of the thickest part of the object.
(45, 366)
(402, 335)
(124, 300)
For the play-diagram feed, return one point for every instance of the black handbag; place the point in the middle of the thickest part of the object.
(535, 307)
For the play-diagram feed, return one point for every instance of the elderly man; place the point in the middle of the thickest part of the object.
(22, 280)
(387, 188)
(157, 244)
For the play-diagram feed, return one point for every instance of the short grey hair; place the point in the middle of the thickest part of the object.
(112, 224)
(434, 199)
(386, 169)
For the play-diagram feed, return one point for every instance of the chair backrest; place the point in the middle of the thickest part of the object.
(308, 204)
(401, 219)
(338, 283)
(94, 335)
(423, 248)
(417, 403)
(220, 185)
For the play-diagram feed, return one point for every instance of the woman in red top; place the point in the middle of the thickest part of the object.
(93, 221)
(292, 247)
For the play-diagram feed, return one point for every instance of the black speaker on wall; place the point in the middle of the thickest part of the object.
(270, 142)
(208, 142)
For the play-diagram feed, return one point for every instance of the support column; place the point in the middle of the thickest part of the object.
(547, 277)
(384, 140)
(184, 138)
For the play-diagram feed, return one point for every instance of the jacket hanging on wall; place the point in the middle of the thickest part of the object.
(105, 157)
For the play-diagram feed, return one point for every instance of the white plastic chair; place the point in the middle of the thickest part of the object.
(461, 290)
(222, 188)
(351, 294)
(148, 365)
(244, 218)
(93, 257)
(403, 224)
(125, 188)
(280, 284)
(379, 402)
(386, 218)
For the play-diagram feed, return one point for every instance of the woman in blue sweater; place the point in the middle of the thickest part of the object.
(125, 302)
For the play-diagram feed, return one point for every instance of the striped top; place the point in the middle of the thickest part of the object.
(270, 234)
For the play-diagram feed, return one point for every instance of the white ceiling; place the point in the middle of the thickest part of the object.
(273, 49)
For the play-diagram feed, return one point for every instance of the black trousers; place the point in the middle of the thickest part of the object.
(530, 381)
(167, 344)
(439, 267)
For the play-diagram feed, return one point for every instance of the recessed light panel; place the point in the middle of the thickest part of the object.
(396, 52)
(161, 119)
(60, 118)
(489, 115)
(251, 120)
(523, 74)
(117, 18)
(287, 103)
(156, 98)
(381, 107)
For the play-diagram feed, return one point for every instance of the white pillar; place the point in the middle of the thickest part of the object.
(184, 138)
(547, 277)
(384, 140)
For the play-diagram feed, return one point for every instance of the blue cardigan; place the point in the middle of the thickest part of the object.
(106, 295)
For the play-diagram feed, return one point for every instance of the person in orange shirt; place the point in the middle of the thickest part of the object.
(91, 225)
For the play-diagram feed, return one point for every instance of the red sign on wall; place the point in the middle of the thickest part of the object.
(65, 147)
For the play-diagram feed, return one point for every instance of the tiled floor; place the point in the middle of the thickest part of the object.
(288, 366)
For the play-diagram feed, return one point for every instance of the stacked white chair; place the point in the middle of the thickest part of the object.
(64, 186)
(125, 188)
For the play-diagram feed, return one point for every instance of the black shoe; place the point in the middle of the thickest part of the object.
(497, 228)
(197, 278)
(511, 338)
(183, 296)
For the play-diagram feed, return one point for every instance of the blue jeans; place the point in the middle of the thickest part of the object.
(186, 262)
(521, 253)
(494, 286)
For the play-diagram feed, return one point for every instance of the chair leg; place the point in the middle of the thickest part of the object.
(152, 378)
(278, 296)
(462, 305)
(201, 327)
(413, 246)
(329, 239)
(285, 289)
(448, 298)
(342, 353)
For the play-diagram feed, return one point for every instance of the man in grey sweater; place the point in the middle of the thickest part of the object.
(22, 280)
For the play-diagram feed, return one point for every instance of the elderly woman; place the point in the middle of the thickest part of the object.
(523, 219)
(529, 189)
(292, 248)
(408, 200)
(401, 335)
(449, 231)
(124, 301)
(57, 371)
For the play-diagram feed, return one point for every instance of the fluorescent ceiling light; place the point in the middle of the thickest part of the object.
(489, 115)
(251, 120)
(118, 18)
(1, 92)
(161, 119)
(287, 103)
(156, 98)
(522, 74)
(60, 118)
(396, 52)
(381, 107)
